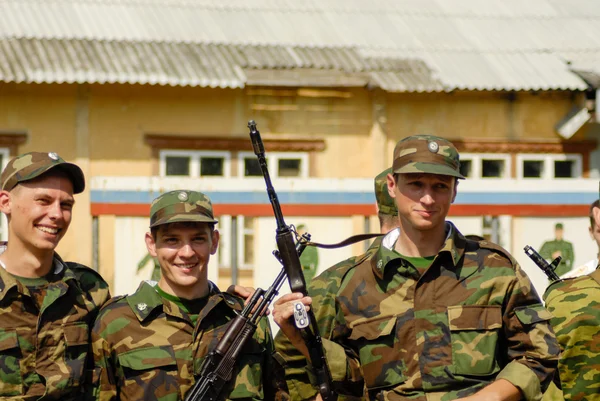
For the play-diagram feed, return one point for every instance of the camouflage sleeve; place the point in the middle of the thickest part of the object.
(532, 349)
(322, 290)
(576, 321)
(104, 386)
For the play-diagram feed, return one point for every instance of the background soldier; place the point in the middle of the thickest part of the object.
(150, 345)
(559, 247)
(431, 315)
(323, 291)
(46, 305)
(575, 305)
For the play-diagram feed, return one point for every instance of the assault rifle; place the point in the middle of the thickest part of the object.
(305, 321)
(547, 268)
(217, 369)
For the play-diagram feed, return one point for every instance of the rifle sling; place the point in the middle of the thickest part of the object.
(348, 241)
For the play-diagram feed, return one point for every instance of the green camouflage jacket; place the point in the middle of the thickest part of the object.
(146, 348)
(566, 250)
(472, 317)
(323, 290)
(575, 305)
(49, 345)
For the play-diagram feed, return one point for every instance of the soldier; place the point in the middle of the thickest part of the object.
(431, 315)
(47, 306)
(309, 260)
(323, 290)
(575, 306)
(150, 345)
(559, 247)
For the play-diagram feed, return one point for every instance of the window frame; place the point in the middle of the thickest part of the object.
(548, 165)
(477, 164)
(195, 156)
(273, 163)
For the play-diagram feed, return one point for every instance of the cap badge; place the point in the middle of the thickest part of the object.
(142, 306)
(183, 196)
(53, 156)
(433, 146)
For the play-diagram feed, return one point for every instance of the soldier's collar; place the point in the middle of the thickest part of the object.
(144, 300)
(386, 253)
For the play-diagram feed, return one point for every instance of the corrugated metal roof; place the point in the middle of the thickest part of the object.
(458, 44)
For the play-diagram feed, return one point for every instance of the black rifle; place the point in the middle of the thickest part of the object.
(291, 264)
(219, 365)
(547, 268)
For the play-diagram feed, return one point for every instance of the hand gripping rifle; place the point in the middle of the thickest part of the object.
(547, 268)
(290, 260)
(217, 369)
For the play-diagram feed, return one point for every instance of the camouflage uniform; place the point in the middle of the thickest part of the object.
(147, 347)
(323, 290)
(45, 329)
(446, 331)
(472, 317)
(575, 305)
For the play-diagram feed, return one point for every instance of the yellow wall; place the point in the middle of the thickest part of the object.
(102, 127)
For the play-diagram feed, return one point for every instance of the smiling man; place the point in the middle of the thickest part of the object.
(47, 306)
(150, 345)
(431, 315)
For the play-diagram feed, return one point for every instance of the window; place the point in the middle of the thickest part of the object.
(485, 166)
(194, 163)
(549, 166)
(284, 164)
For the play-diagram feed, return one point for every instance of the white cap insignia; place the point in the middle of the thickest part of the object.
(183, 196)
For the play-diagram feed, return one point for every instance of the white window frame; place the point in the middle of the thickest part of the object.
(5, 152)
(477, 164)
(195, 156)
(548, 163)
(273, 161)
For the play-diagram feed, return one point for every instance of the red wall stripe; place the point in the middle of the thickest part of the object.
(129, 209)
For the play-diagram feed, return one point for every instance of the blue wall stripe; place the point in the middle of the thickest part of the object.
(356, 198)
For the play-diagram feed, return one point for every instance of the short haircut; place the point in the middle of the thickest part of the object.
(592, 206)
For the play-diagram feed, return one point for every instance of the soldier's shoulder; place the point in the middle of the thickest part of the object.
(495, 250)
(85, 274)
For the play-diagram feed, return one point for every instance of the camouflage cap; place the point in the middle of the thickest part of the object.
(181, 206)
(31, 165)
(385, 202)
(426, 154)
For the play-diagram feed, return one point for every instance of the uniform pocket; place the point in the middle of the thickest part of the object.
(10, 371)
(149, 373)
(474, 331)
(76, 350)
(379, 352)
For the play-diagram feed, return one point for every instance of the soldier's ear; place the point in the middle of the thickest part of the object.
(150, 244)
(5, 202)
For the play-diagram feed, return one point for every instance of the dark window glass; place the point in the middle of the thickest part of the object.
(533, 168)
(466, 168)
(492, 168)
(564, 169)
(289, 167)
(251, 167)
(178, 165)
(212, 166)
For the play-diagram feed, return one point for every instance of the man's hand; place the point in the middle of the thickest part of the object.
(283, 311)
(244, 292)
